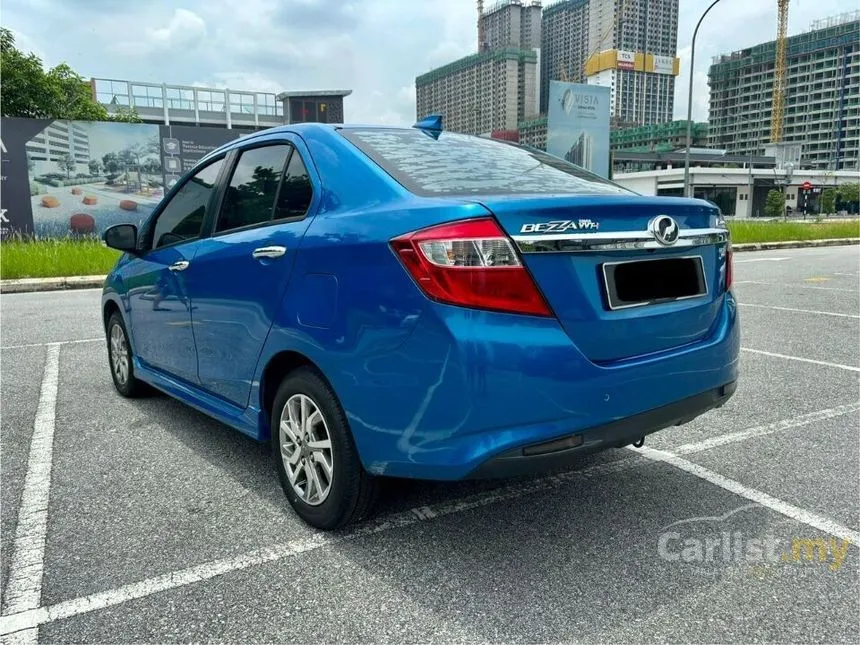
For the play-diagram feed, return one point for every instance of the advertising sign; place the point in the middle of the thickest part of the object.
(664, 65)
(578, 125)
(63, 178)
(625, 60)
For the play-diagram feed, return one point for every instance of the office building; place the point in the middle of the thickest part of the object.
(511, 23)
(492, 90)
(563, 46)
(822, 101)
(167, 104)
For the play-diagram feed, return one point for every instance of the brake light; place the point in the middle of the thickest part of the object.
(470, 263)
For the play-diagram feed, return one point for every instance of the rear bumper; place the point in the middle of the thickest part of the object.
(561, 452)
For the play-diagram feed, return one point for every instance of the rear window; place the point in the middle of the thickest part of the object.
(459, 164)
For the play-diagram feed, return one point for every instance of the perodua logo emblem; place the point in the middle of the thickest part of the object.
(664, 229)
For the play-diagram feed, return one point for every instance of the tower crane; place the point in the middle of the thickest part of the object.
(779, 73)
(480, 26)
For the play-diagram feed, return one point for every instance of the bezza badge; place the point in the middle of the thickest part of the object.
(561, 226)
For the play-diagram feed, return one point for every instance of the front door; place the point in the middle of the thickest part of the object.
(159, 305)
(240, 273)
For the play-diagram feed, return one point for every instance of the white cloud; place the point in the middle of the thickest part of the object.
(374, 47)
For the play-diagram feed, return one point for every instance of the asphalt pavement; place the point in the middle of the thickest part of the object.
(164, 526)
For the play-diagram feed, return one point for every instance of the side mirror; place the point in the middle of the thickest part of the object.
(122, 237)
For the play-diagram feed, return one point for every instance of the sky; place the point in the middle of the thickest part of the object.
(374, 47)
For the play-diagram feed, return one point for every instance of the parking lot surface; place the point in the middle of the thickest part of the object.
(145, 521)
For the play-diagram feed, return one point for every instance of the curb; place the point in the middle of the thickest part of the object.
(799, 244)
(26, 285)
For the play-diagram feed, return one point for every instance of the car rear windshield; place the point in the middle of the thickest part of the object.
(459, 164)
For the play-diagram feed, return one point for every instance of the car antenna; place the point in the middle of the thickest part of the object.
(431, 125)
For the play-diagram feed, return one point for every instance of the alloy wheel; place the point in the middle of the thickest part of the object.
(306, 449)
(119, 354)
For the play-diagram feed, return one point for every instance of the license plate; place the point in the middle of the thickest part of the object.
(637, 283)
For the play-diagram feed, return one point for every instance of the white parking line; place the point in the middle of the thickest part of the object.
(770, 428)
(800, 286)
(56, 343)
(761, 260)
(24, 586)
(850, 368)
(763, 499)
(801, 311)
(32, 618)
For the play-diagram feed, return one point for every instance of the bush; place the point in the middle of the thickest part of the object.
(36, 188)
(828, 200)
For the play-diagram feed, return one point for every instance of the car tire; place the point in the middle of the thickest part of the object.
(310, 439)
(120, 359)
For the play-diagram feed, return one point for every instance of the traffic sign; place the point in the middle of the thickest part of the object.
(807, 185)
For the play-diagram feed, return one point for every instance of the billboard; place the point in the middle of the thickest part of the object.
(578, 125)
(664, 65)
(63, 178)
(625, 60)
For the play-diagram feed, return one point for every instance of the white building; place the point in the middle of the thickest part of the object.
(739, 191)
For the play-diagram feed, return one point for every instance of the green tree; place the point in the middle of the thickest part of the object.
(60, 93)
(850, 193)
(828, 200)
(774, 206)
(125, 114)
(95, 167)
(66, 162)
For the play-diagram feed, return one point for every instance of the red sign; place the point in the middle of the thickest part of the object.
(807, 185)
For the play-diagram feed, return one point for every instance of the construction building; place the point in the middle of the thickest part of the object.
(661, 137)
(821, 104)
(478, 94)
(632, 47)
(563, 46)
(533, 132)
(511, 23)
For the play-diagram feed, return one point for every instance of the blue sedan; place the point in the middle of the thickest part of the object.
(379, 301)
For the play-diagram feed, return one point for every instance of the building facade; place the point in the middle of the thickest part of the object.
(166, 104)
(661, 137)
(564, 45)
(512, 23)
(822, 99)
(632, 49)
(478, 94)
(533, 132)
(61, 142)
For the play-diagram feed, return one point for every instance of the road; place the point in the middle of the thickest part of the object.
(164, 526)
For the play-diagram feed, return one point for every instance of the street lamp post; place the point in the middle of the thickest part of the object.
(687, 190)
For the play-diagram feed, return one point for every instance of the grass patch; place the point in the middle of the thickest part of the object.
(68, 257)
(776, 231)
(55, 258)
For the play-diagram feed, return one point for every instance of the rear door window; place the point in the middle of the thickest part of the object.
(459, 164)
(251, 193)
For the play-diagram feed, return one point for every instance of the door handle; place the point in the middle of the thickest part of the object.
(269, 252)
(179, 266)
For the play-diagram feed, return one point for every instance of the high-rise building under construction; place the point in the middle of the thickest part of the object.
(628, 46)
(496, 88)
(822, 101)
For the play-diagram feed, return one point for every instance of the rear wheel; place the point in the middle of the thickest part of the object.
(315, 456)
(119, 357)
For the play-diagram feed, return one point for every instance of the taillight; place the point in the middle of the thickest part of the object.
(470, 263)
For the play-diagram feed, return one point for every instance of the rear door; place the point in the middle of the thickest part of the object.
(241, 271)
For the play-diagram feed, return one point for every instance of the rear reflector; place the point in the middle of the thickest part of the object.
(730, 269)
(470, 263)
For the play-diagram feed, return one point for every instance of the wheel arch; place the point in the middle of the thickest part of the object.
(277, 368)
